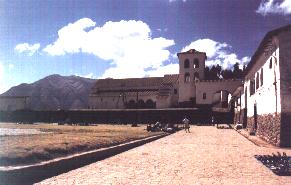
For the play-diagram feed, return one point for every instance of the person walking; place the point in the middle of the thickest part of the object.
(186, 124)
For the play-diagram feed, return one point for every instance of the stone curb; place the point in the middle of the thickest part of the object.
(37, 172)
(255, 142)
(247, 137)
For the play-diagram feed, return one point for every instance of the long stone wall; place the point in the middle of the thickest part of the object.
(268, 127)
(126, 116)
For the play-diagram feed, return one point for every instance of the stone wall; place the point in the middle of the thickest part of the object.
(268, 127)
(285, 130)
(285, 67)
(211, 87)
(121, 116)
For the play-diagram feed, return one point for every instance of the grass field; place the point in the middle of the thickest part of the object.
(62, 140)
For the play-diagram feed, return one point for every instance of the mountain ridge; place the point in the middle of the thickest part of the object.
(55, 92)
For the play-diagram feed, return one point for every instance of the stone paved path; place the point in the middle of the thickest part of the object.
(205, 156)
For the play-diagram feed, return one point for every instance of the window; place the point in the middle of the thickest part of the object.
(187, 77)
(175, 91)
(257, 80)
(262, 77)
(196, 63)
(196, 75)
(270, 64)
(150, 104)
(204, 96)
(252, 87)
(186, 63)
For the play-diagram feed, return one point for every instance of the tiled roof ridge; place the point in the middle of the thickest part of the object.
(266, 38)
(221, 80)
(191, 51)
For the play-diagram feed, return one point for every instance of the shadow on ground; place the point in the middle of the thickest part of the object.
(278, 164)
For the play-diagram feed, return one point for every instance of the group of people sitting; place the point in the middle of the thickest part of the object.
(158, 126)
(169, 127)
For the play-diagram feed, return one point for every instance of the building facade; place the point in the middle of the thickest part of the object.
(263, 103)
(186, 89)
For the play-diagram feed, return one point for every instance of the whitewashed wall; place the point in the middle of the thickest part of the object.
(187, 89)
(112, 102)
(211, 87)
(265, 96)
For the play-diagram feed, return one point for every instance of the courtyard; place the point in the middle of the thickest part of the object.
(207, 155)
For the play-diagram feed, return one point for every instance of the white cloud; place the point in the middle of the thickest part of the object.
(10, 67)
(274, 7)
(71, 38)
(167, 69)
(27, 48)
(174, 56)
(217, 53)
(244, 61)
(127, 45)
(162, 30)
(90, 75)
(206, 45)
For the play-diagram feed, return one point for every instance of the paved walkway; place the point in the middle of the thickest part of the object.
(205, 156)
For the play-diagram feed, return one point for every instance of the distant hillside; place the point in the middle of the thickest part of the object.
(55, 92)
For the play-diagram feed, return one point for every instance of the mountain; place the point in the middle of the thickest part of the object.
(55, 92)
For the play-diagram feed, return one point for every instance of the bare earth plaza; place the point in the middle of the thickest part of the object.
(199, 114)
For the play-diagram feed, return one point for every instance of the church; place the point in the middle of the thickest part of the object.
(261, 100)
(188, 89)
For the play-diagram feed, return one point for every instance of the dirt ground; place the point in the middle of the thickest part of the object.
(206, 155)
(52, 141)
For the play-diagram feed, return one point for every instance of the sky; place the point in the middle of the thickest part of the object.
(128, 38)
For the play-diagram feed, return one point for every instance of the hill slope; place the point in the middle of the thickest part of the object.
(55, 92)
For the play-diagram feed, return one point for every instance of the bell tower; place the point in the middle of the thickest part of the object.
(191, 69)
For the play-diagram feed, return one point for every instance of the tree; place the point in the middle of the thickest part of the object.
(227, 74)
(237, 72)
(216, 72)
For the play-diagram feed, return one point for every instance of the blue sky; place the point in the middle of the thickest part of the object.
(128, 38)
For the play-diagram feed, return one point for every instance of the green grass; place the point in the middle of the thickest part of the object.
(63, 140)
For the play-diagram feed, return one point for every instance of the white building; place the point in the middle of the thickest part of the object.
(263, 104)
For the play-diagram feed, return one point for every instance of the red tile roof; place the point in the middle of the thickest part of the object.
(263, 44)
(191, 51)
(144, 86)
